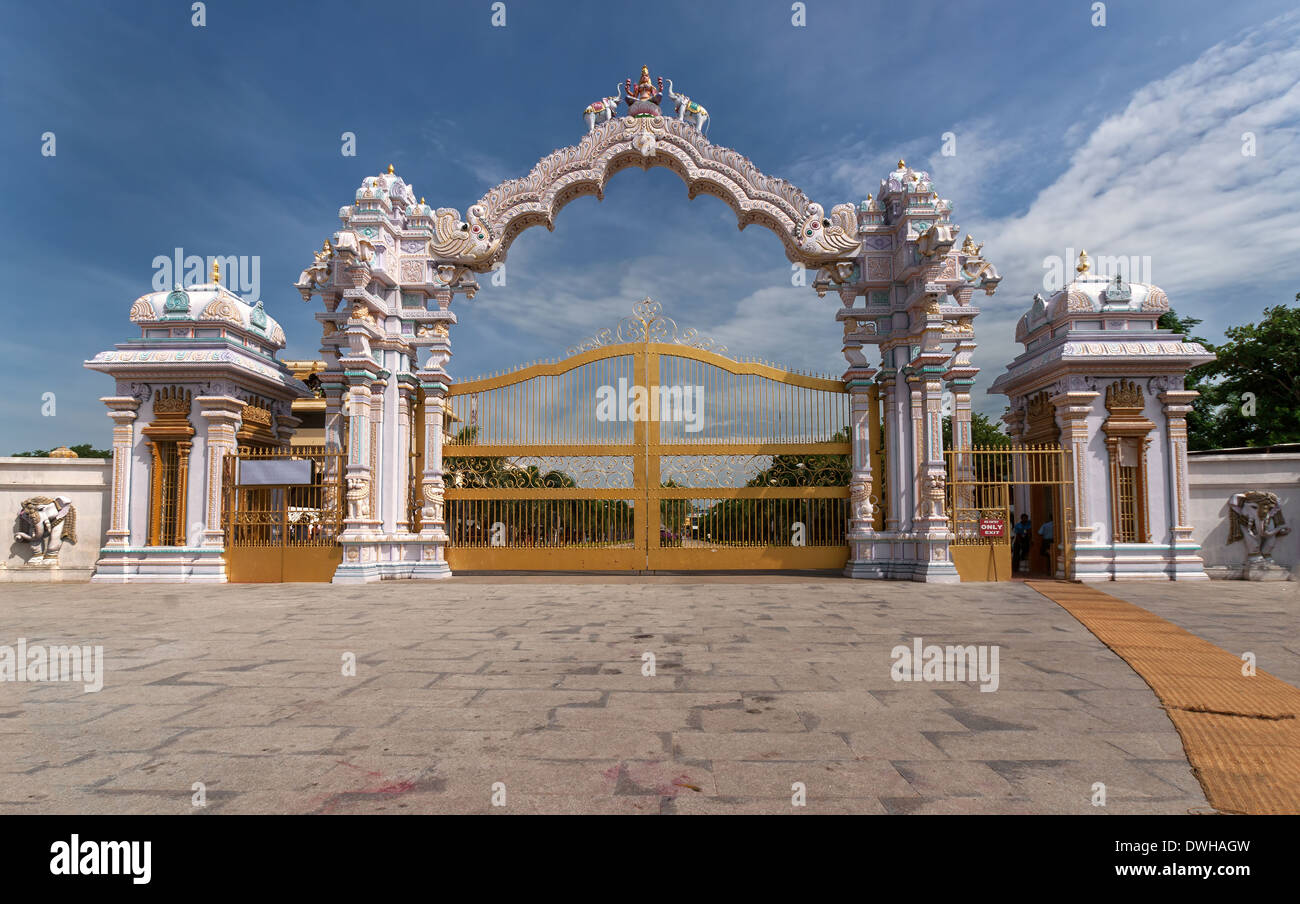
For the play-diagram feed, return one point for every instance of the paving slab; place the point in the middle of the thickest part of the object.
(537, 683)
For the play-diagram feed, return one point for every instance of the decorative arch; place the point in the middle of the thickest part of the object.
(809, 236)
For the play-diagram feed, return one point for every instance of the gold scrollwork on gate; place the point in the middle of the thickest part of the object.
(648, 324)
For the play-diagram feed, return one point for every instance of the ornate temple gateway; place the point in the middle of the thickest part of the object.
(648, 447)
(389, 277)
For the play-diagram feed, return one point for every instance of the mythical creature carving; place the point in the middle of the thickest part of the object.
(431, 512)
(935, 490)
(46, 522)
(978, 272)
(833, 236)
(361, 313)
(358, 497)
(645, 142)
(1256, 520)
(687, 110)
(936, 240)
(860, 503)
(469, 241)
(603, 110)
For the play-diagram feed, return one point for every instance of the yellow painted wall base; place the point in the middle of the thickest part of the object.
(276, 564)
(983, 563)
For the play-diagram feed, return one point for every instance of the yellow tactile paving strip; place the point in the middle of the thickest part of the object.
(1241, 734)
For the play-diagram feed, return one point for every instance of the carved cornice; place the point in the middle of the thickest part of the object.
(171, 415)
(1125, 402)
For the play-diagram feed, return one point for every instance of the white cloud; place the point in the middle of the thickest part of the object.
(1166, 178)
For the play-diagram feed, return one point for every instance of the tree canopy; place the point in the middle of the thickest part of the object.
(984, 433)
(1249, 395)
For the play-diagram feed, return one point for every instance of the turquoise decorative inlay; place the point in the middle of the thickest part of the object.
(177, 306)
(258, 317)
(881, 298)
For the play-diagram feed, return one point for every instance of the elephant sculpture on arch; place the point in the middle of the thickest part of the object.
(688, 110)
(46, 522)
(603, 110)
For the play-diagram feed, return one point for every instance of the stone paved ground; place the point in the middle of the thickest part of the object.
(760, 683)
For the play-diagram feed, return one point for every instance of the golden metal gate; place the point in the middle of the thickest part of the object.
(283, 513)
(982, 485)
(643, 452)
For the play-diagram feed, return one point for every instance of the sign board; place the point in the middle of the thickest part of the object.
(992, 527)
(275, 472)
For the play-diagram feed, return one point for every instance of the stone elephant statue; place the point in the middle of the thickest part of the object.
(688, 110)
(46, 523)
(1256, 520)
(603, 110)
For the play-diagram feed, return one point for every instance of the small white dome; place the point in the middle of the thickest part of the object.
(208, 302)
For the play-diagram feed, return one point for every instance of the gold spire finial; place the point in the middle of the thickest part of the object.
(216, 272)
(390, 169)
(901, 164)
(1083, 263)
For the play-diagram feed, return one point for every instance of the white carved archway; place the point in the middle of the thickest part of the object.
(482, 241)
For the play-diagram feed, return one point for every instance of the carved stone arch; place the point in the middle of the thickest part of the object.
(810, 236)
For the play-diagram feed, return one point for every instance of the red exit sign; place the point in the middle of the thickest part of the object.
(992, 527)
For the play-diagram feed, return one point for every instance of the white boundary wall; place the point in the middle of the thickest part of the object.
(1214, 477)
(87, 482)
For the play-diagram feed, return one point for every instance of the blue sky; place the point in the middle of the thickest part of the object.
(225, 139)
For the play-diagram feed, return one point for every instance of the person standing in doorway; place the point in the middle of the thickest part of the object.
(1020, 543)
(1047, 532)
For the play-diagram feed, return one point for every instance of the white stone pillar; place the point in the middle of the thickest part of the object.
(380, 509)
(359, 498)
(1072, 410)
(222, 414)
(402, 466)
(862, 553)
(123, 410)
(895, 447)
(1187, 563)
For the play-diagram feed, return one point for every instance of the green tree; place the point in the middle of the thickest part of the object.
(984, 433)
(1249, 395)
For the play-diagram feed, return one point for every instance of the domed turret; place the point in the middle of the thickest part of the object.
(1093, 302)
(206, 311)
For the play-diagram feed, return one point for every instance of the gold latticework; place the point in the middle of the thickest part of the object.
(648, 449)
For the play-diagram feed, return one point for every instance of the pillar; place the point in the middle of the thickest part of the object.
(1187, 565)
(124, 411)
(222, 415)
(861, 526)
